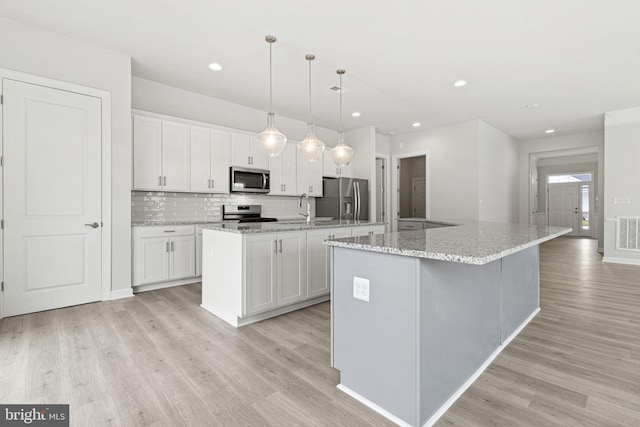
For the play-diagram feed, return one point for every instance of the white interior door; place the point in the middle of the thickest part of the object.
(419, 198)
(564, 208)
(52, 196)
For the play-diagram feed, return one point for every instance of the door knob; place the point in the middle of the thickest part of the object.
(94, 225)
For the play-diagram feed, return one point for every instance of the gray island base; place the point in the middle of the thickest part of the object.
(429, 327)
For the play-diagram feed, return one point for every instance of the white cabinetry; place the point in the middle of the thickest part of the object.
(283, 172)
(209, 160)
(245, 151)
(319, 261)
(275, 268)
(367, 230)
(160, 154)
(163, 254)
(331, 170)
(309, 177)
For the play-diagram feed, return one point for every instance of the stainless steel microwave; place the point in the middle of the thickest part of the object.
(248, 180)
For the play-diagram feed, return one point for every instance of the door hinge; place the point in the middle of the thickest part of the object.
(1, 224)
(1, 99)
(2, 287)
(1, 161)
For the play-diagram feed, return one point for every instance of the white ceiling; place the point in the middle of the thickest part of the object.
(576, 58)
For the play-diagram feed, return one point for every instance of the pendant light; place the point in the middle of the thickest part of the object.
(270, 141)
(341, 154)
(310, 148)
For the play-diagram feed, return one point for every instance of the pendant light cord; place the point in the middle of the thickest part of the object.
(270, 81)
(310, 59)
(340, 102)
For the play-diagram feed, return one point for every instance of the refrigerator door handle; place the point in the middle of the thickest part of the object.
(357, 198)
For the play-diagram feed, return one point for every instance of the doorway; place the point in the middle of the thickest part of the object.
(54, 237)
(570, 202)
(410, 182)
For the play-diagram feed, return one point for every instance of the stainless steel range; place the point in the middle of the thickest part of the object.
(244, 213)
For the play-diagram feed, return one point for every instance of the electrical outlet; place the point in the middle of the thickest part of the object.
(361, 288)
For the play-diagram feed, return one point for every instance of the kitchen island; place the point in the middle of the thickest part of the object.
(418, 315)
(253, 271)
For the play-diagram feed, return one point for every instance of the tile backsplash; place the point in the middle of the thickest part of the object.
(150, 206)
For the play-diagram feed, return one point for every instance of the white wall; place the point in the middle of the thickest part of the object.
(452, 168)
(622, 177)
(38, 52)
(383, 145)
(561, 144)
(497, 175)
(159, 98)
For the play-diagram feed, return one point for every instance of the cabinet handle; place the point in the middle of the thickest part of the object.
(159, 180)
(213, 183)
(311, 189)
(164, 181)
(371, 233)
(171, 246)
(167, 246)
(275, 246)
(280, 245)
(169, 231)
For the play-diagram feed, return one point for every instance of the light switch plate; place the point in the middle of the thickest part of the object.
(361, 288)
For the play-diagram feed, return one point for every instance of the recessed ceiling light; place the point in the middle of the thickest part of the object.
(549, 131)
(534, 105)
(460, 83)
(416, 124)
(392, 133)
(355, 114)
(215, 66)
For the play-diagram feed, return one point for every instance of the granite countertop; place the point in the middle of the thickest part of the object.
(468, 242)
(284, 225)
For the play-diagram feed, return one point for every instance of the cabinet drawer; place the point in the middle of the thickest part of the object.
(164, 230)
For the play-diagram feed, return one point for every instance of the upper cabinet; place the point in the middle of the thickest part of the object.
(209, 160)
(283, 172)
(330, 168)
(160, 154)
(245, 151)
(309, 177)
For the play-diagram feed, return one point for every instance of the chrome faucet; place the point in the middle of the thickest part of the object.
(308, 214)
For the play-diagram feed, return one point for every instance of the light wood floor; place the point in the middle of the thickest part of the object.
(159, 359)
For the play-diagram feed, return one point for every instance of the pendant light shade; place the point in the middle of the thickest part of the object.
(271, 141)
(341, 154)
(310, 148)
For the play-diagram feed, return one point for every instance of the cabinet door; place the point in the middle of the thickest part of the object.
(276, 178)
(151, 260)
(317, 262)
(240, 149)
(329, 167)
(291, 267)
(315, 178)
(258, 159)
(219, 162)
(182, 257)
(289, 169)
(198, 254)
(147, 153)
(200, 170)
(175, 156)
(260, 275)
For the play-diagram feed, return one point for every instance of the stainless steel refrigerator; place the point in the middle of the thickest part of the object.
(344, 198)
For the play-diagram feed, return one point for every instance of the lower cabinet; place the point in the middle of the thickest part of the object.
(162, 254)
(275, 271)
(319, 261)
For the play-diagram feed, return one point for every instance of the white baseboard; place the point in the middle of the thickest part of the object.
(614, 260)
(162, 285)
(373, 406)
(121, 293)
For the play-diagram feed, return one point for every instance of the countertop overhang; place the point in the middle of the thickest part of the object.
(468, 242)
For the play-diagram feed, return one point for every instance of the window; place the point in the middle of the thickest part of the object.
(574, 177)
